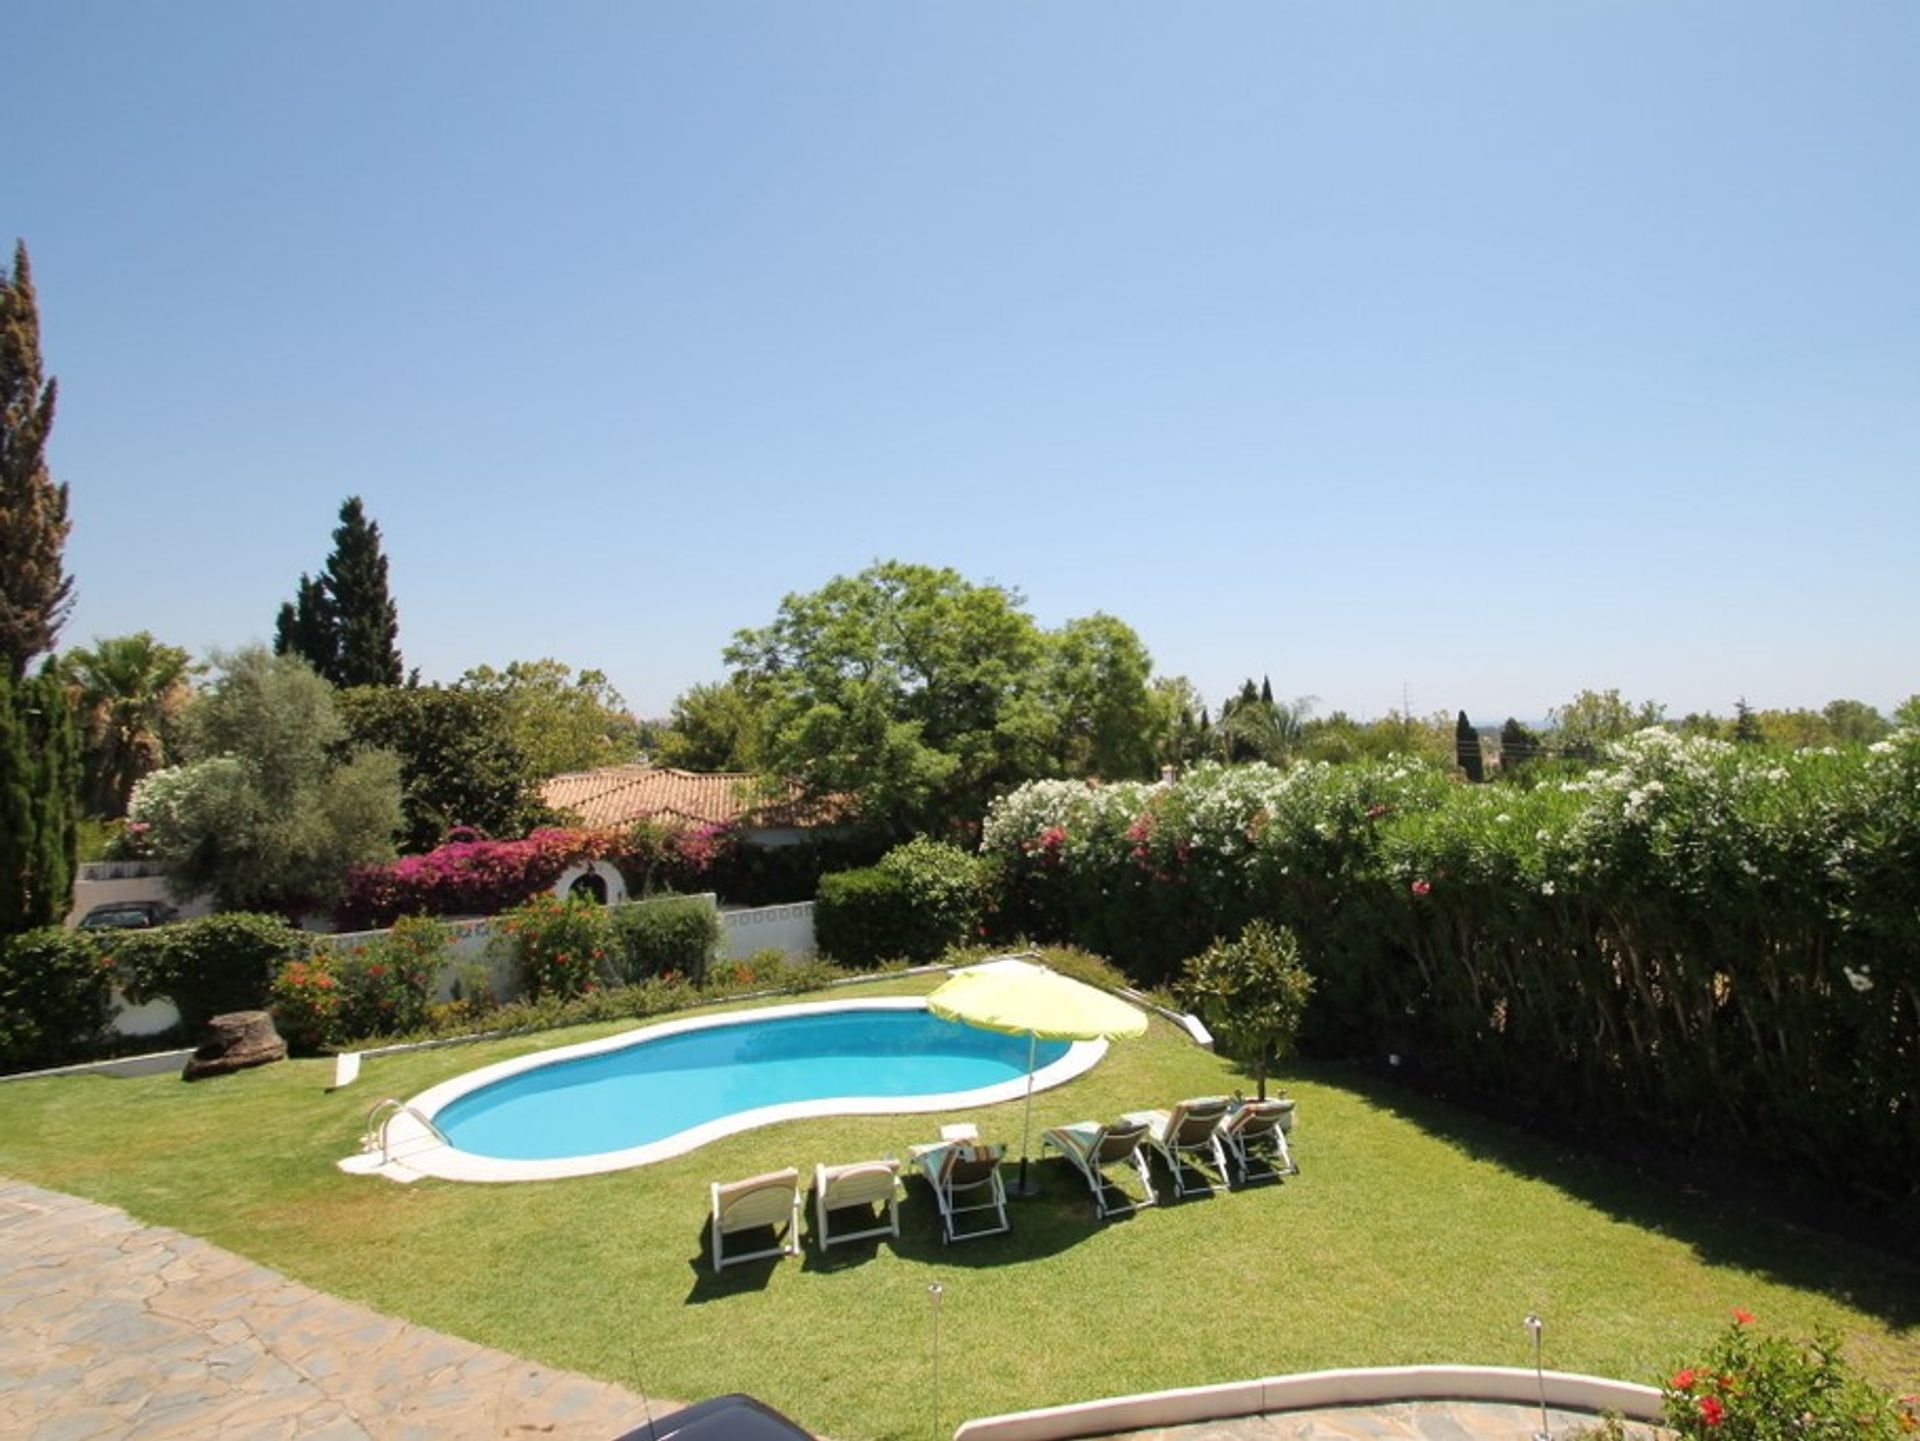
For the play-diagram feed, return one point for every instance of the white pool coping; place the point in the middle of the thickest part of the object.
(414, 1150)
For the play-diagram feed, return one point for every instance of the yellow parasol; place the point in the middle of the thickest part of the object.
(1017, 997)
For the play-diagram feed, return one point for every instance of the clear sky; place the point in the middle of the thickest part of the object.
(1490, 349)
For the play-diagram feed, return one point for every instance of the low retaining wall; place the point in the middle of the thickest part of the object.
(1315, 1390)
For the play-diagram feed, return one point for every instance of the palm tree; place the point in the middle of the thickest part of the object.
(127, 692)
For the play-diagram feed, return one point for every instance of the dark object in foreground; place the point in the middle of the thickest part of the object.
(724, 1418)
(234, 1042)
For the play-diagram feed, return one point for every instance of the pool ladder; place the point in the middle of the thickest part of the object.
(376, 1136)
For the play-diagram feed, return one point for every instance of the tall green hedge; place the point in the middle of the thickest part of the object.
(56, 998)
(655, 938)
(207, 966)
(1717, 943)
(921, 899)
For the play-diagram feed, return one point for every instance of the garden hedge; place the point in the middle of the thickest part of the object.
(1717, 943)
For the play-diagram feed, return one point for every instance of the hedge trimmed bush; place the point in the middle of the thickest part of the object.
(56, 998)
(207, 966)
(1717, 942)
(920, 900)
(676, 936)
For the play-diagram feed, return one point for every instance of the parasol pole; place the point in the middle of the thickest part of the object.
(1026, 1122)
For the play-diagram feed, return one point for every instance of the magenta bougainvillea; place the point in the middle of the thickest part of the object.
(469, 876)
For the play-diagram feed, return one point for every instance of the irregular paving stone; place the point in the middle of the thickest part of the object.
(111, 1328)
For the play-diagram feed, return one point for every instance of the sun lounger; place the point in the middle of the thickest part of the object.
(965, 1180)
(864, 1184)
(1256, 1138)
(1092, 1147)
(769, 1200)
(1185, 1136)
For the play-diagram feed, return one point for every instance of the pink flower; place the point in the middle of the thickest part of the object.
(1421, 888)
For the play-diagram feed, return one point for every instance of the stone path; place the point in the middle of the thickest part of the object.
(112, 1328)
(1418, 1420)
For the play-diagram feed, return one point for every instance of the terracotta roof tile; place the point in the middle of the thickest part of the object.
(621, 795)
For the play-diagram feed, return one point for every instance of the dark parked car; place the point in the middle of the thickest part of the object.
(724, 1418)
(127, 916)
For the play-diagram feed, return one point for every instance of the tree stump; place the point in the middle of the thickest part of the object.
(234, 1042)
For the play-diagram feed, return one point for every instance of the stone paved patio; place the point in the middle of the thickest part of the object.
(112, 1328)
(1421, 1420)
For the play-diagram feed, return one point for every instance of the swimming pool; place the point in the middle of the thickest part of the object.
(665, 1089)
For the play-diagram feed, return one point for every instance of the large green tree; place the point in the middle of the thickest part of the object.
(129, 692)
(345, 624)
(39, 801)
(560, 721)
(713, 727)
(35, 592)
(906, 688)
(1466, 749)
(275, 806)
(460, 764)
(1095, 684)
(1591, 718)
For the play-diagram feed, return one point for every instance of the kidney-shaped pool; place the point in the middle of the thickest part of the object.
(662, 1090)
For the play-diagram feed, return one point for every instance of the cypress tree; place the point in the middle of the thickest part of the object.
(305, 628)
(39, 801)
(1518, 745)
(1746, 725)
(344, 623)
(365, 623)
(1466, 749)
(35, 595)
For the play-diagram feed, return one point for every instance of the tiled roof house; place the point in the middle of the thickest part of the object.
(619, 796)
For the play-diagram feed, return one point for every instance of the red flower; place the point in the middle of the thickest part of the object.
(1421, 888)
(1742, 1317)
(1711, 1411)
(1683, 1379)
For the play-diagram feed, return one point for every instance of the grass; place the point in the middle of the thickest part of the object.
(1416, 1233)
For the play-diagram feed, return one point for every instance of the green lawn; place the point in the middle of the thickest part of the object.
(1415, 1233)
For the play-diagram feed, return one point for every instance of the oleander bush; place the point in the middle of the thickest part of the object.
(56, 997)
(1718, 943)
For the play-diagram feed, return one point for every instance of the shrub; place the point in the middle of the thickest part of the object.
(377, 988)
(654, 937)
(56, 997)
(922, 899)
(1751, 1387)
(560, 948)
(306, 1003)
(207, 966)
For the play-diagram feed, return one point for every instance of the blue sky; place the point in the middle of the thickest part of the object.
(1488, 350)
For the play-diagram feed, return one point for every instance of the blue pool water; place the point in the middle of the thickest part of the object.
(658, 1088)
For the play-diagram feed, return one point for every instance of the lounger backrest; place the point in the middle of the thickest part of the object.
(861, 1185)
(760, 1201)
(1261, 1118)
(969, 1166)
(1119, 1141)
(1194, 1121)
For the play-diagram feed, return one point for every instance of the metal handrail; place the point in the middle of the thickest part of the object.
(373, 1139)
